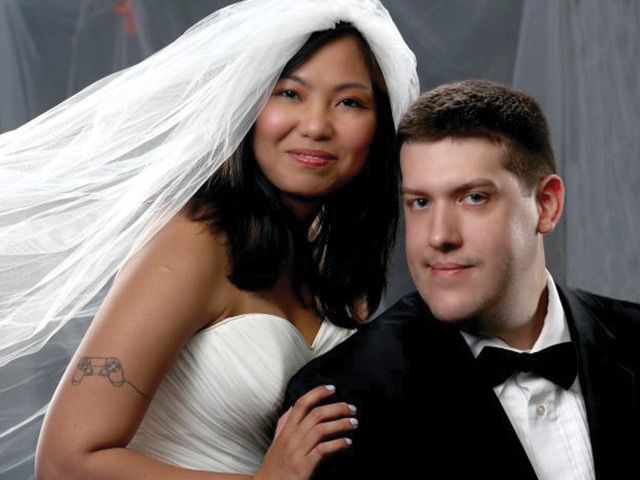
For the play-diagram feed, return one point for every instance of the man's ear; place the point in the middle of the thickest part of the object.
(550, 203)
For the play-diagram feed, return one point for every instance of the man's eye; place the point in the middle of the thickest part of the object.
(475, 198)
(418, 203)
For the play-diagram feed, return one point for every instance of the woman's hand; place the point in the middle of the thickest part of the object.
(301, 440)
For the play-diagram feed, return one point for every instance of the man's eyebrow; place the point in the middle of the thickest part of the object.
(411, 191)
(477, 183)
(470, 185)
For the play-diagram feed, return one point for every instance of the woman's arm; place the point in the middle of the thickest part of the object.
(175, 286)
(164, 294)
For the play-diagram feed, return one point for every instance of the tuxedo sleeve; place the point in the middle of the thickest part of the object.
(323, 371)
(332, 368)
(300, 383)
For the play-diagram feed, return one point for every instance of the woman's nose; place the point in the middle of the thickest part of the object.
(315, 122)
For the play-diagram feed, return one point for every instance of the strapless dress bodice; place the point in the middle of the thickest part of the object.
(216, 408)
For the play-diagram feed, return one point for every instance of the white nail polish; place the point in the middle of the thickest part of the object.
(348, 441)
(331, 388)
(354, 422)
(352, 408)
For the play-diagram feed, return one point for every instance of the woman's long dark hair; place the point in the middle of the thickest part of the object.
(341, 257)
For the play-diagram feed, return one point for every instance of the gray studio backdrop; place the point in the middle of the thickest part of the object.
(579, 58)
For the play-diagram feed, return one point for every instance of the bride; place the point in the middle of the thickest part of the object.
(255, 181)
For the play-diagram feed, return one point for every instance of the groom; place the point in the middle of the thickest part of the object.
(440, 387)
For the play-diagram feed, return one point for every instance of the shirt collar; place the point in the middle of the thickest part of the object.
(554, 330)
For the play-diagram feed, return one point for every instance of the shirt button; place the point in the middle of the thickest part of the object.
(541, 410)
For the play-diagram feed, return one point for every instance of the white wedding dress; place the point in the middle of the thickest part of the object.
(217, 407)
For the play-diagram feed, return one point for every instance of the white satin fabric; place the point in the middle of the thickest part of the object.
(217, 407)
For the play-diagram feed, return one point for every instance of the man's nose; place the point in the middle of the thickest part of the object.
(444, 231)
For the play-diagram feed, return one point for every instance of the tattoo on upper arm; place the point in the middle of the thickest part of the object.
(109, 367)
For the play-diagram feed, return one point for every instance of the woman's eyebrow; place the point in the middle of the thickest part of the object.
(341, 86)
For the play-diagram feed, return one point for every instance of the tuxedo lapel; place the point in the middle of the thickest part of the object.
(608, 388)
(494, 448)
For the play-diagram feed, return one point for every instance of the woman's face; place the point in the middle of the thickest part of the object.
(313, 135)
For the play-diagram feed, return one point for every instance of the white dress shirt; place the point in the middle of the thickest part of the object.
(550, 422)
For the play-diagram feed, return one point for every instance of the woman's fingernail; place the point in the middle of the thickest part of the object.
(331, 388)
(348, 441)
(352, 408)
(354, 422)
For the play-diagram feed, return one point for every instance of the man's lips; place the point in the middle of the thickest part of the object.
(447, 269)
(312, 158)
(447, 266)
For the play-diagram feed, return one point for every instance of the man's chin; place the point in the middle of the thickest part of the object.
(450, 318)
(451, 313)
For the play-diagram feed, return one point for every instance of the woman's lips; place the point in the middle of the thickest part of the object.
(312, 158)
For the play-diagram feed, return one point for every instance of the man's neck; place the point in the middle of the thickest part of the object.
(519, 322)
(524, 336)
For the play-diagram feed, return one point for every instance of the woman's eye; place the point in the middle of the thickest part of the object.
(286, 93)
(351, 103)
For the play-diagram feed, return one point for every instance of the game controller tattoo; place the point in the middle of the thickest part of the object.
(108, 367)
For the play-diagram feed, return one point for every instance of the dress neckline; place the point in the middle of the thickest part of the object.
(299, 334)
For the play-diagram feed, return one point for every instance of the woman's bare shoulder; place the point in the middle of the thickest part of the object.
(186, 256)
(185, 244)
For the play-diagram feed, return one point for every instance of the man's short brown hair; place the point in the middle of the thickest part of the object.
(480, 108)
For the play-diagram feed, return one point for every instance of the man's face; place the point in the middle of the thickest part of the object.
(471, 230)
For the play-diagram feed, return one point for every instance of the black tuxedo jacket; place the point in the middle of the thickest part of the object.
(425, 412)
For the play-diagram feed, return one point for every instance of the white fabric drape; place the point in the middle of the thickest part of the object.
(581, 60)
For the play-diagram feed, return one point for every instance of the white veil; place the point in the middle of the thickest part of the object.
(84, 185)
(88, 182)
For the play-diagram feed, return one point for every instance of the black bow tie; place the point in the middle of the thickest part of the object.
(557, 363)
